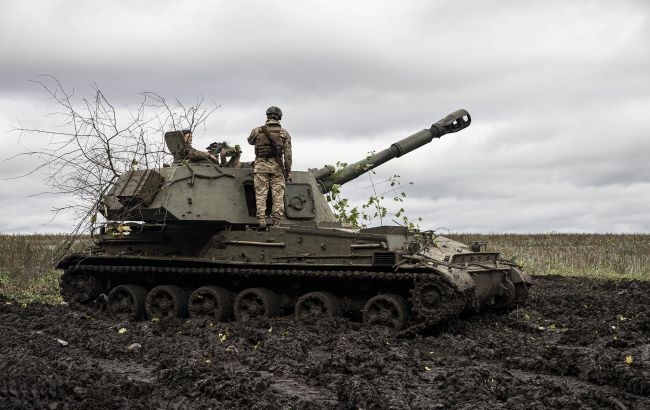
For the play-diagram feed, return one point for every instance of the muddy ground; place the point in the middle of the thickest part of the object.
(577, 344)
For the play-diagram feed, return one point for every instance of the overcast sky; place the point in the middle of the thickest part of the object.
(558, 91)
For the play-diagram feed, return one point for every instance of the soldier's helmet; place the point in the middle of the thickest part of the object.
(274, 111)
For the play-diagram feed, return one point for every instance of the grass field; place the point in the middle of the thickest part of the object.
(27, 273)
(612, 256)
(27, 262)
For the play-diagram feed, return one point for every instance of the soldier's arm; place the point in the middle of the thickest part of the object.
(252, 137)
(288, 159)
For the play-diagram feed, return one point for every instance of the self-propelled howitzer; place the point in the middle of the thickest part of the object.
(183, 240)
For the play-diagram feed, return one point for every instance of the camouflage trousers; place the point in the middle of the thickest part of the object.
(263, 182)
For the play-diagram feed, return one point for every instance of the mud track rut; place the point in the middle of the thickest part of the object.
(566, 349)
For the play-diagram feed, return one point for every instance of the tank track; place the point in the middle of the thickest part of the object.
(451, 304)
(266, 272)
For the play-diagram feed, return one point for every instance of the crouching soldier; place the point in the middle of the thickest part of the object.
(194, 154)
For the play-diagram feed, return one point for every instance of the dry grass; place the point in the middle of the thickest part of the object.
(27, 261)
(612, 256)
(27, 266)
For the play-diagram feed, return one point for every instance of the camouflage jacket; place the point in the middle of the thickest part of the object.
(259, 137)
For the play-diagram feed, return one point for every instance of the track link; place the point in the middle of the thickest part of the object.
(426, 312)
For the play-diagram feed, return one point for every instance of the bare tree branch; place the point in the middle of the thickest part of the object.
(96, 142)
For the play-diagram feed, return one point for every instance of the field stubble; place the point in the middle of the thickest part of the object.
(611, 256)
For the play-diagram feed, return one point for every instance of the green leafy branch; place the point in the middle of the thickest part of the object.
(375, 206)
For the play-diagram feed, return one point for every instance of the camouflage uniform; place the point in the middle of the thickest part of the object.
(193, 154)
(268, 172)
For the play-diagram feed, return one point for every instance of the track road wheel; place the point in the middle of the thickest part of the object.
(210, 302)
(386, 310)
(126, 302)
(253, 303)
(80, 287)
(314, 305)
(166, 301)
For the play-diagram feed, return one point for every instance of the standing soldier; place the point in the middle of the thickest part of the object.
(272, 165)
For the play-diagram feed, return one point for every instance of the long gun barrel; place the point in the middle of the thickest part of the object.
(328, 176)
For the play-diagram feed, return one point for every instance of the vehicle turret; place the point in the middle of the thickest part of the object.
(202, 191)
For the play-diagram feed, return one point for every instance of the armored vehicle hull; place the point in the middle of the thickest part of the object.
(183, 241)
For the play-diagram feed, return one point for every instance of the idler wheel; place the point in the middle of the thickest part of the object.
(315, 305)
(428, 297)
(166, 301)
(80, 287)
(126, 302)
(386, 310)
(434, 301)
(253, 303)
(210, 302)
